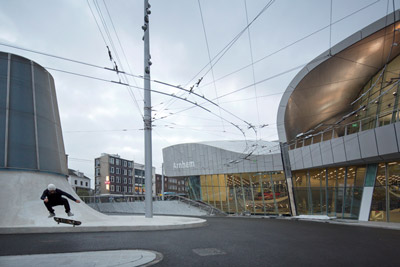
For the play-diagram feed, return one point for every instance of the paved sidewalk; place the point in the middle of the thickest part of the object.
(121, 258)
(326, 219)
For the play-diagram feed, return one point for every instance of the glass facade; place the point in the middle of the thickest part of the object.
(260, 193)
(386, 197)
(335, 192)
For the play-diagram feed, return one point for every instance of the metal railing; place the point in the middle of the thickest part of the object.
(339, 130)
(211, 210)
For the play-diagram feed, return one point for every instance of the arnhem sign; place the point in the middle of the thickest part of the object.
(184, 165)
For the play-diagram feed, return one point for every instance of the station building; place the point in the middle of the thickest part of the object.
(339, 122)
(234, 176)
(338, 152)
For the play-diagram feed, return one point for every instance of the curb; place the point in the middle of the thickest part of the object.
(88, 229)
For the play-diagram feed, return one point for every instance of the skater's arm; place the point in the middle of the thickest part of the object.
(67, 195)
(44, 195)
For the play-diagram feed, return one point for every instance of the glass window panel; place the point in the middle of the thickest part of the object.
(378, 205)
(301, 195)
(353, 192)
(316, 138)
(332, 191)
(3, 103)
(394, 191)
(340, 190)
(317, 193)
(247, 192)
(46, 127)
(307, 141)
(301, 192)
(371, 174)
(327, 135)
(211, 190)
(22, 147)
(257, 191)
(239, 194)
(204, 189)
(281, 194)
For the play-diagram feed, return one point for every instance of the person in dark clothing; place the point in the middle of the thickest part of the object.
(53, 197)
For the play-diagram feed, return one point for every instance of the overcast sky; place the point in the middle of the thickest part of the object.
(100, 116)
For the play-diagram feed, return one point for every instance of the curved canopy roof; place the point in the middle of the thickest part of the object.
(324, 90)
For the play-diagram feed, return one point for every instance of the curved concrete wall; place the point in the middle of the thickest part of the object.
(30, 128)
(21, 205)
(199, 159)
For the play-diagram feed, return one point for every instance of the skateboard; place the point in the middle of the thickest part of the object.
(67, 221)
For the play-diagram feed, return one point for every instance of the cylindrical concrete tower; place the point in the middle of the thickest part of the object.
(30, 129)
(32, 153)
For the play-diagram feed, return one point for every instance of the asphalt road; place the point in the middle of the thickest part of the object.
(232, 242)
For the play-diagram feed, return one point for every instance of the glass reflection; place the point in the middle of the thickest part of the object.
(256, 193)
(335, 192)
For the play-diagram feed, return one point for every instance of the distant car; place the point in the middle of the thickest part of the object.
(267, 196)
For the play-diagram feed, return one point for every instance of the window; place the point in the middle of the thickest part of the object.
(118, 179)
(118, 170)
(112, 169)
(97, 171)
(112, 179)
(125, 171)
(125, 163)
(125, 180)
(81, 183)
(130, 180)
(118, 188)
(125, 189)
(76, 182)
(112, 187)
(130, 164)
(86, 183)
(112, 160)
(130, 172)
(130, 189)
(97, 162)
(118, 162)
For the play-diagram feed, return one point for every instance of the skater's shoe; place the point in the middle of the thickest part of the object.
(70, 214)
(52, 214)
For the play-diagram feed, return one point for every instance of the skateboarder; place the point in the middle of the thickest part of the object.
(53, 197)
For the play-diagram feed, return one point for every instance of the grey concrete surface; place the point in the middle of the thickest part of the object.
(114, 223)
(231, 241)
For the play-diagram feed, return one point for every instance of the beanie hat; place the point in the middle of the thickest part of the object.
(51, 187)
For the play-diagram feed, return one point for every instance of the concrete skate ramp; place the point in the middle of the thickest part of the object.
(24, 212)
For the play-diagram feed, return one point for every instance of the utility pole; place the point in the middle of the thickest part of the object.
(162, 181)
(147, 115)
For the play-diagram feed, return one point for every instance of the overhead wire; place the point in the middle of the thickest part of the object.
(295, 42)
(224, 50)
(252, 62)
(115, 67)
(209, 58)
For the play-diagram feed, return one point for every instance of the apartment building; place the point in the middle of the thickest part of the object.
(79, 181)
(117, 176)
(114, 175)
